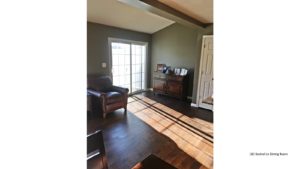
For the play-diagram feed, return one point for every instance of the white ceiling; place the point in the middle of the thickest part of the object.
(117, 14)
(202, 10)
(114, 13)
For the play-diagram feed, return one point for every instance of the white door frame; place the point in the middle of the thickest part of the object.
(110, 40)
(202, 105)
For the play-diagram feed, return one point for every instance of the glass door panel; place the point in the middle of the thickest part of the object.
(129, 65)
(137, 67)
(121, 64)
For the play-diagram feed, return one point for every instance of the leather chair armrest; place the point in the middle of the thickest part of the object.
(120, 89)
(96, 93)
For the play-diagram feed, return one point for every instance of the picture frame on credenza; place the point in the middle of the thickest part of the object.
(177, 71)
(183, 72)
(160, 67)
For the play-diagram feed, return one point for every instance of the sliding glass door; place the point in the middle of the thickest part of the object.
(128, 60)
(138, 53)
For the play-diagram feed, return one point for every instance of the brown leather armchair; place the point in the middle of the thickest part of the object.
(110, 97)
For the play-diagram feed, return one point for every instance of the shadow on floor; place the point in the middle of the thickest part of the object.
(128, 140)
(180, 106)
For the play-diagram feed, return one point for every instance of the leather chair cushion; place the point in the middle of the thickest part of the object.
(113, 97)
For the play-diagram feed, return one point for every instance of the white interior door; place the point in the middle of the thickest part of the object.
(205, 83)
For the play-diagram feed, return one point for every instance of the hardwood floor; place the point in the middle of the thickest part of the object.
(131, 138)
(181, 106)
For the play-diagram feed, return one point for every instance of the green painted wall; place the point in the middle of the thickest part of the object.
(179, 46)
(97, 46)
(176, 46)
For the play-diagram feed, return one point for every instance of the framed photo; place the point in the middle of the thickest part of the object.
(166, 69)
(183, 72)
(177, 71)
(160, 67)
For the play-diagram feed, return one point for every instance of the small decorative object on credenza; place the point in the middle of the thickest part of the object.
(160, 67)
(177, 71)
(180, 71)
(166, 69)
(183, 72)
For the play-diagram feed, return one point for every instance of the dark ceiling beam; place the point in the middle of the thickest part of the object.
(165, 11)
(175, 12)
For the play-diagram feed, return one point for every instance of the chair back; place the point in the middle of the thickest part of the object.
(99, 83)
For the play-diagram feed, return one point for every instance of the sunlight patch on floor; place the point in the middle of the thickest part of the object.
(194, 136)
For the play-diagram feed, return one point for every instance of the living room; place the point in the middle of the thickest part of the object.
(148, 120)
(47, 123)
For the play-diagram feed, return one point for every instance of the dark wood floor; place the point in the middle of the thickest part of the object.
(128, 140)
(181, 106)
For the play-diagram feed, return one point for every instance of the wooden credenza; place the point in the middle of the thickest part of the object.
(171, 85)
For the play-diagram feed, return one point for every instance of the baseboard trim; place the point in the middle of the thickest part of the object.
(206, 106)
(194, 105)
(203, 106)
